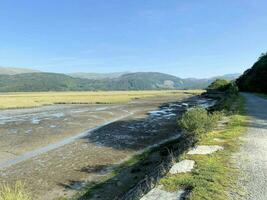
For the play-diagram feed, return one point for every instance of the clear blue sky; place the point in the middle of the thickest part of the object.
(187, 38)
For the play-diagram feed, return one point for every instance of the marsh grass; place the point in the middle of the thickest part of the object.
(35, 99)
(214, 175)
(16, 192)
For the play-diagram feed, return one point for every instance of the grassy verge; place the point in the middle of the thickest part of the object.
(262, 95)
(35, 99)
(214, 175)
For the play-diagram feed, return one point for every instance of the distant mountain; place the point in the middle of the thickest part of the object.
(194, 83)
(146, 80)
(40, 81)
(13, 70)
(60, 82)
(255, 78)
(97, 76)
(228, 77)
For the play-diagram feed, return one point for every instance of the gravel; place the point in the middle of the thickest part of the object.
(252, 158)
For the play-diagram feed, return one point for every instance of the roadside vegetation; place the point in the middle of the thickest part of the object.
(219, 84)
(262, 95)
(35, 99)
(197, 121)
(16, 192)
(215, 175)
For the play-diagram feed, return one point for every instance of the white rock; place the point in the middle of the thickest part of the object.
(202, 150)
(182, 166)
(159, 194)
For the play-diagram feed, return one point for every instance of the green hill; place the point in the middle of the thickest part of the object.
(39, 81)
(255, 78)
(97, 76)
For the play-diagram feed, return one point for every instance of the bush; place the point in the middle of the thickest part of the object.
(226, 102)
(219, 84)
(16, 192)
(197, 121)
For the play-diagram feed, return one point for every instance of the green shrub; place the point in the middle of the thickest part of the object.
(17, 192)
(197, 121)
(219, 84)
(226, 102)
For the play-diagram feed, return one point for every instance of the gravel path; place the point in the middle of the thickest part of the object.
(253, 154)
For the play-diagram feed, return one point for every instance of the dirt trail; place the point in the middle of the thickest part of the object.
(253, 154)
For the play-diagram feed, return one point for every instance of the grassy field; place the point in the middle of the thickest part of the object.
(35, 99)
(215, 175)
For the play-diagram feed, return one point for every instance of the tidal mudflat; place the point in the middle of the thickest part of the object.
(56, 149)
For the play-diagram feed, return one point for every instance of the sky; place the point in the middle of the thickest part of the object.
(186, 38)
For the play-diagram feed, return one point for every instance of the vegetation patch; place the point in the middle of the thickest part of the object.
(16, 192)
(198, 121)
(35, 99)
(254, 79)
(215, 174)
(219, 84)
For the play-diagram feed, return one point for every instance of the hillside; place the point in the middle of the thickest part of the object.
(97, 76)
(146, 80)
(39, 81)
(13, 70)
(60, 82)
(194, 83)
(254, 79)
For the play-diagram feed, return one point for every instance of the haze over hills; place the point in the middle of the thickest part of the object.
(97, 76)
(13, 80)
(14, 70)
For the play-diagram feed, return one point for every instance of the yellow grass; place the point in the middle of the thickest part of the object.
(17, 192)
(35, 99)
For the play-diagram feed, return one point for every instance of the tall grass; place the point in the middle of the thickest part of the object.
(16, 192)
(35, 99)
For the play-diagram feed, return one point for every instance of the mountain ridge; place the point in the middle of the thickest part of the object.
(45, 81)
(15, 70)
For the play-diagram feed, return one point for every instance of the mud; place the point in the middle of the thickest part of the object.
(63, 170)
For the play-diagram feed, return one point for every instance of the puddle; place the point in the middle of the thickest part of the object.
(35, 121)
(58, 115)
(77, 185)
(28, 131)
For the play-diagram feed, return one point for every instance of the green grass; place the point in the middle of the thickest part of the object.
(16, 192)
(214, 175)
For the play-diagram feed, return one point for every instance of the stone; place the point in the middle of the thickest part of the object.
(203, 150)
(182, 167)
(159, 194)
